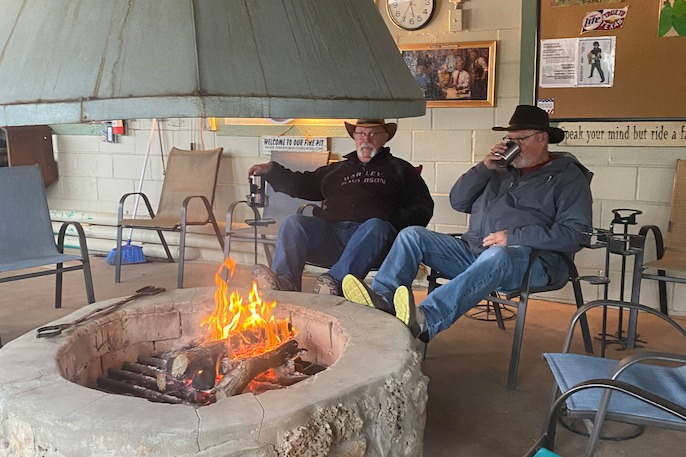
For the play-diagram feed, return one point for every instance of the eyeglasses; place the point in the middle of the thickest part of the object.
(520, 139)
(369, 135)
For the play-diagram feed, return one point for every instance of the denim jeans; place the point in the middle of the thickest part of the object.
(347, 247)
(474, 277)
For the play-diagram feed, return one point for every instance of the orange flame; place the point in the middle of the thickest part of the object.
(250, 329)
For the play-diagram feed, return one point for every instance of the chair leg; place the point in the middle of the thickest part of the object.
(662, 290)
(227, 246)
(517, 342)
(217, 232)
(182, 254)
(117, 256)
(170, 258)
(58, 286)
(88, 278)
(583, 321)
(268, 253)
(498, 315)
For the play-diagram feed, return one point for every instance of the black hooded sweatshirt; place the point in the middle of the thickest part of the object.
(387, 187)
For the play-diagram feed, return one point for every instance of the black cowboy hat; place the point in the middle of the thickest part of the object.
(389, 127)
(527, 117)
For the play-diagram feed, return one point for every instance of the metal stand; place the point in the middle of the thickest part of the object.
(257, 199)
(491, 311)
(625, 245)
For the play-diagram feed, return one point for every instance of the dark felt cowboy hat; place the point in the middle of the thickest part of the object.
(389, 127)
(527, 117)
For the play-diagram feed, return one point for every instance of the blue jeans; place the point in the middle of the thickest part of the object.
(473, 277)
(347, 247)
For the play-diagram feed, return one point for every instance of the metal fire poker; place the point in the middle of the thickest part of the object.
(54, 330)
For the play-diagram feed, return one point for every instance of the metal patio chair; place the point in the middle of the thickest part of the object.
(186, 199)
(519, 299)
(627, 390)
(26, 235)
(263, 228)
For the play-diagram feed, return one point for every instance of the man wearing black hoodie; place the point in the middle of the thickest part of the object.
(367, 199)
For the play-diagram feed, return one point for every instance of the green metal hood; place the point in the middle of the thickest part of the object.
(69, 61)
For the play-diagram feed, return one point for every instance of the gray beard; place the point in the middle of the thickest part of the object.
(360, 154)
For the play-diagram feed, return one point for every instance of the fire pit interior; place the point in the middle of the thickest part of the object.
(369, 400)
(241, 346)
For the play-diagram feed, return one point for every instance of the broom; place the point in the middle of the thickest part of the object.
(130, 253)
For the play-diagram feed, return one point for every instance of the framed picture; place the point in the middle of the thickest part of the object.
(453, 74)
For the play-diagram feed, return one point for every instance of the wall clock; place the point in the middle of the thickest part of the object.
(410, 14)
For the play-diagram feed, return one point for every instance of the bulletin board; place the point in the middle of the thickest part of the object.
(649, 71)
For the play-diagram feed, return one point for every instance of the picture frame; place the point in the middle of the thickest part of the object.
(436, 69)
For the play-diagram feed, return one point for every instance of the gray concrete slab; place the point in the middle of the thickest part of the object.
(470, 412)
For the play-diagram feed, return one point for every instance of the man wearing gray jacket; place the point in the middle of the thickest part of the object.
(539, 201)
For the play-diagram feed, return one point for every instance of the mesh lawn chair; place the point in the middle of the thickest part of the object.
(26, 235)
(629, 390)
(264, 227)
(186, 199)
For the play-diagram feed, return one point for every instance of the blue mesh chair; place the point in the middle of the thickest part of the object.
(629, 390)
(26, 235)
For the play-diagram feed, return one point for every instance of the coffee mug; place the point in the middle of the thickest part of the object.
(509, 154)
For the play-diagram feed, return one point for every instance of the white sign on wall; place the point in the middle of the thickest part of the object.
(652, 133)
(268, 144)
(577, 62)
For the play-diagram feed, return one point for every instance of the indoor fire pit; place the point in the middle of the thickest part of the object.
(369, 400)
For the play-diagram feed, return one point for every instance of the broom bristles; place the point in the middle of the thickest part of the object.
(130, 254)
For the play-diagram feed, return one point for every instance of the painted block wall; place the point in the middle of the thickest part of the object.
(446, 141)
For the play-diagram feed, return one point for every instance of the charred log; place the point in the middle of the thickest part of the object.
(153, 362)
(119, 387)
(244, 370)
(191, 360)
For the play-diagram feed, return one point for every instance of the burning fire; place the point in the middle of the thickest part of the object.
(249, 329)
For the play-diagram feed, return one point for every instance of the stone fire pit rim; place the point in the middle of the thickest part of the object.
(380, 345)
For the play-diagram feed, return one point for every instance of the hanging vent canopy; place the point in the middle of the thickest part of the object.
(68, 61)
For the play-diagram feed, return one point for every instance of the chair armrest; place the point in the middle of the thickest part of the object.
(304, 206)
(232, 208)
(122, 200)
(187, 200)
(614, 304)
(659, 241)
(642, 356)
(81, 235)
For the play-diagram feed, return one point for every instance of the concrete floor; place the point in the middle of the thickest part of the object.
(470, 412)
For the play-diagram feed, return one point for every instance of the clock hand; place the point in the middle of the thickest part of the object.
(409, 7)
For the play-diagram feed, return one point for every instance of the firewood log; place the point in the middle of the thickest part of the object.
(244, 370)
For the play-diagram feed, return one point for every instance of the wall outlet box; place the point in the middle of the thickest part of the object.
(455, 20)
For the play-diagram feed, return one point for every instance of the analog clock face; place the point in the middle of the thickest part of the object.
(410, 14)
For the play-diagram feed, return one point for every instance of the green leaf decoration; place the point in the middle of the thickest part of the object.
(666, 16)
(679, 23)
(679, 8)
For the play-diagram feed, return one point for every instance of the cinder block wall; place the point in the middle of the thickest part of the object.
(446, 141)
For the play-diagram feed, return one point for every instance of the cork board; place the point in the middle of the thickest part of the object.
(648, 71)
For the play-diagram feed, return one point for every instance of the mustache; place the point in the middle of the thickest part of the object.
(363, 146)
